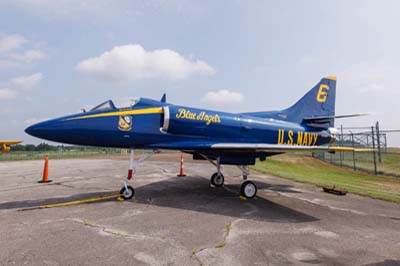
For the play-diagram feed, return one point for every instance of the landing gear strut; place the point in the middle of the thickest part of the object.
(127, 192)
(217, 179)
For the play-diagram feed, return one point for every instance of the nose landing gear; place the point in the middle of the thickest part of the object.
(127, 192)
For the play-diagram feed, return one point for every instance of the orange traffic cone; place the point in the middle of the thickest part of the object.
(46, 171)
(181, 172)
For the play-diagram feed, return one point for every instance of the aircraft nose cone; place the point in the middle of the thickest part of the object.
(37, 130)
(31, 130)
(48, 130)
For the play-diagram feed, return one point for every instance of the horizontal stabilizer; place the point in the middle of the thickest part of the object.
(324, 122)
(333, 117)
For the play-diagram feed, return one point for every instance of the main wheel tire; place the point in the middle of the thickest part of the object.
(248, 190)
(127, 193)
(217, 180)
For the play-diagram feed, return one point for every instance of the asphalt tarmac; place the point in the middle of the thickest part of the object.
(182, 221)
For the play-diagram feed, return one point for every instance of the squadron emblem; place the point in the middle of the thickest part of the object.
(125, 123)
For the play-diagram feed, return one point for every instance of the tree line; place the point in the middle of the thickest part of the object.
(48, 147)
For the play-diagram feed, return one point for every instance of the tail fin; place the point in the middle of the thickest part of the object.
(316, 103)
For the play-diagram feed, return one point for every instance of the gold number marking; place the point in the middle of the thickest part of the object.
(322, 93)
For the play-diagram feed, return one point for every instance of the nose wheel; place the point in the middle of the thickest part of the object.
(127, 192)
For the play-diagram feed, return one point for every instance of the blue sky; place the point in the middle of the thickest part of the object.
(59, 56)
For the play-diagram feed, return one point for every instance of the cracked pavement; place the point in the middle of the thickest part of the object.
(182, 221)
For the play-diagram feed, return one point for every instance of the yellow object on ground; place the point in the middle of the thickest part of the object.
(76, 202)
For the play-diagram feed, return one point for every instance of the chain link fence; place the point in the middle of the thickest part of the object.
(384, 161)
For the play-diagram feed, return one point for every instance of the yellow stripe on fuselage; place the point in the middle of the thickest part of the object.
(153, 110)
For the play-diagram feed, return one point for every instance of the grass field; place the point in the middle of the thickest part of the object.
(310, 170)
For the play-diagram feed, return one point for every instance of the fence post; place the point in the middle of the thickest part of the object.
(354, 154)
(341, 144)
(385, 143)
(373, 146)
(378, 141)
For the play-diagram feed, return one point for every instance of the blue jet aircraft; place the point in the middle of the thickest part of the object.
(219, 137)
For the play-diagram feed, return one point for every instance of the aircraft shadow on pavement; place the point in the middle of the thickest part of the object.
(279, 188)
(193, 193)
(384, 263)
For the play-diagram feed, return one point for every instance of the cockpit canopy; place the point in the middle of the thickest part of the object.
(109, 105)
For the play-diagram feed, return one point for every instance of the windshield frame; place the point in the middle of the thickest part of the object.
(104, 106)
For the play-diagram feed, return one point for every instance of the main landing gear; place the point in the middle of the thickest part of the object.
(217, 179)
(127, 192)
(248, 189)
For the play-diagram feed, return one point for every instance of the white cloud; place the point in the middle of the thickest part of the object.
(26, 82)
(14, 51)
(133, 62)
(29, 56)
(7, 94)
(223, 97)
(11, 42)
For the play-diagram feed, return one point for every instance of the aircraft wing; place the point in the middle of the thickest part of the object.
(260, 147)
(5, 144)
(254, 147)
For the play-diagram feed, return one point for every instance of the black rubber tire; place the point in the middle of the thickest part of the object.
(216, 180)
(126, 195)
(244, 191)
